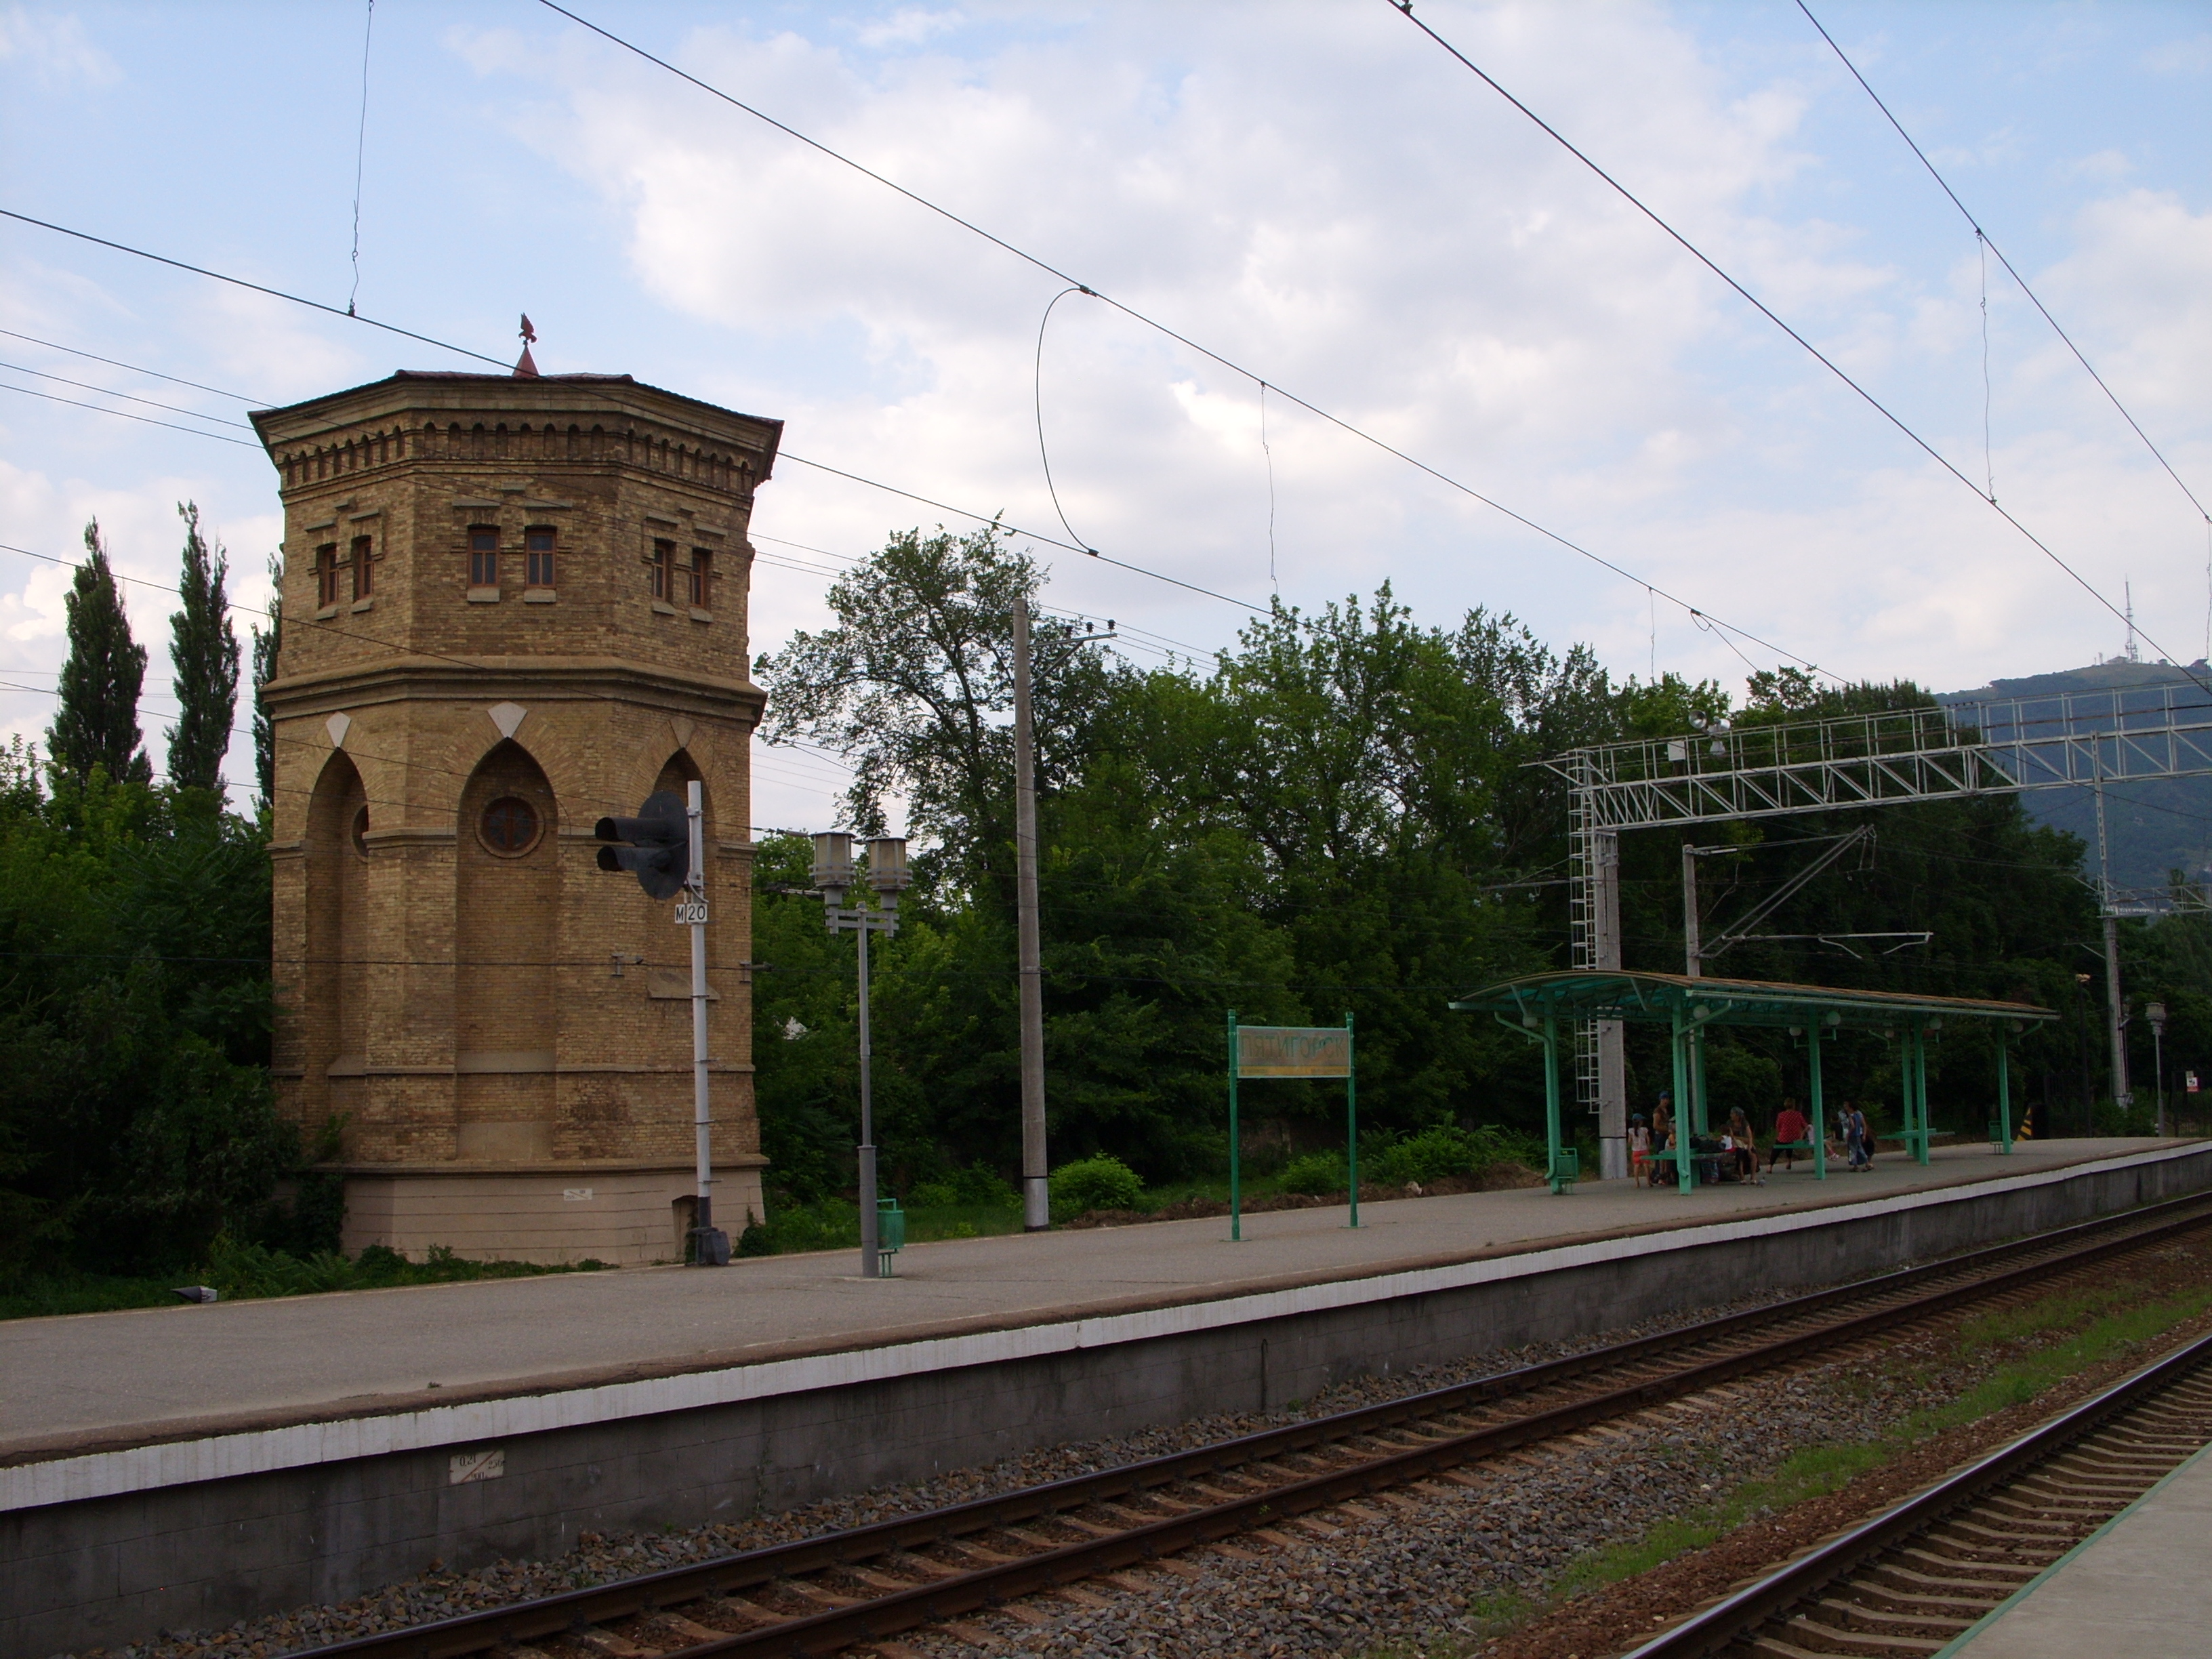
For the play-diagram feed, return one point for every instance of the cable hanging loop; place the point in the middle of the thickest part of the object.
(1037, 401)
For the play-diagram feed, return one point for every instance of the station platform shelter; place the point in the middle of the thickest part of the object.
(1546, 1008)
(184, 1467)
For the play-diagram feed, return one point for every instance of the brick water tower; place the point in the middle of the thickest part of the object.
(513, 605)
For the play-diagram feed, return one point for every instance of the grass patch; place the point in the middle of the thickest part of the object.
(1818, 1470)
(2020, 1380)
(249, 1272)
(1808, 1472)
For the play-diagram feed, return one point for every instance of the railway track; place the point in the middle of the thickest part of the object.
(866, 1585)
(1912, 1580)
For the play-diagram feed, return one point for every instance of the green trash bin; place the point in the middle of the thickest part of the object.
(1566, 1168)
(890, 1233)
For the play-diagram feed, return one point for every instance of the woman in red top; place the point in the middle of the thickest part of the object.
(1789, 1127)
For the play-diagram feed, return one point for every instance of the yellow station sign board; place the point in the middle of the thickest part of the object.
(1293, 1051)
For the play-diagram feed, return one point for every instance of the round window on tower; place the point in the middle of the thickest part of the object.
(510, 826)
(360, 831)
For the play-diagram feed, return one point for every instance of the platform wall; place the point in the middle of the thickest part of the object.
(193, 1553)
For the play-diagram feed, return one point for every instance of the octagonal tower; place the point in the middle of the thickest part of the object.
(513, 605)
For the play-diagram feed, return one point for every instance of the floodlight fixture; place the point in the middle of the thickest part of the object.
(833, 865)
(887, 871)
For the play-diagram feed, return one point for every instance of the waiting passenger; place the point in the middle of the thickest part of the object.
(1790, 1128)
(1639, 1149)
(1861, 1140)
(1743, 1147)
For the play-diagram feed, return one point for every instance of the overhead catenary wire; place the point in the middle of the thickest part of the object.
(997, 520)
(1982, 237)
(1207, 352)
(1406, 8)
(124, 414)
(257, 287)
(135, 368)
(85, 386)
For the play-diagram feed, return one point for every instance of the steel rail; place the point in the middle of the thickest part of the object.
(947, 1597)
(646, 1592)
(1743, 1613)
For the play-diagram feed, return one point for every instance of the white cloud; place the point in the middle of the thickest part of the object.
(910, 26)
(54, 49)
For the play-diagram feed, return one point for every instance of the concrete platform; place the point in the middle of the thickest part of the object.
(80, 1383)
(2135, 1588)
(183, 1467)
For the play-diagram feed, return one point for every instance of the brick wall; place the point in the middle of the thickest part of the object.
(511, 607)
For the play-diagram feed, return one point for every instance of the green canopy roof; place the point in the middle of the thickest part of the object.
(1612, 994)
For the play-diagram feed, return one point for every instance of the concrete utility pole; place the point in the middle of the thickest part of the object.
(2116, 1009)
(1694, 956)
(1612, 1051)
(1036, 1198)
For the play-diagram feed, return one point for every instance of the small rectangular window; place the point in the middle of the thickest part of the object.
(364, 548)
(702, 578)
(538, 558)
(663, 560)
(484, 556)
(326, 575)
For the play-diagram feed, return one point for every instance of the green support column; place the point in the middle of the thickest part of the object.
(1236, 1208)
(1697, 1078)
(2004, 1097)
(1920, 1090)
(1819, 1105)
(1351, 1122)
(1551, 1102)
(1685, 1177)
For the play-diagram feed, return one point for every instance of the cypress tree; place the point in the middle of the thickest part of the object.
(97, 721)
(204, 651)
(266, 644)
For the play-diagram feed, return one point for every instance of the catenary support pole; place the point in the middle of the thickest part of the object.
(1611, 1046)
(702, 1120)
(1693, 959)
(871, 1261)
(1037, 1196)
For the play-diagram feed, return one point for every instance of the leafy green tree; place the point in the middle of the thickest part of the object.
(135, 1116)
(203, 650)
(96, 723)
(267, 644)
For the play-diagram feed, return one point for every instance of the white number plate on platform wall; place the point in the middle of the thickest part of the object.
(464, 1466)
(691, 914)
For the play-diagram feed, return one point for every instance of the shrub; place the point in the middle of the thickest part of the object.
(1317, 1174)
(1448, 1150)
(977, 1187)
(1101, 1182)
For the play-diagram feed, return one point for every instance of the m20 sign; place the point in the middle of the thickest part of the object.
(1293, 1051)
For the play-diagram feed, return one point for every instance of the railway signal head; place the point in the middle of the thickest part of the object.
(655, 846)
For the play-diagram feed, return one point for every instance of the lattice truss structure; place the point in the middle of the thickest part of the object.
(1894, 758)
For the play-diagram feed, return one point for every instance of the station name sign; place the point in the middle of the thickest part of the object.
(1293, 1051)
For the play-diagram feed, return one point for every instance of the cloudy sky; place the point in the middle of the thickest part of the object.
(1314, 191)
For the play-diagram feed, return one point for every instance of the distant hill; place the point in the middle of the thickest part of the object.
(2153, 828)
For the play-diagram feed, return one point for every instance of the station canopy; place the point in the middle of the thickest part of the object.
(1678, 1000)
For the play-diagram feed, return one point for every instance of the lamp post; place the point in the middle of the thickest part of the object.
(2156, 1014)
(834, 876)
